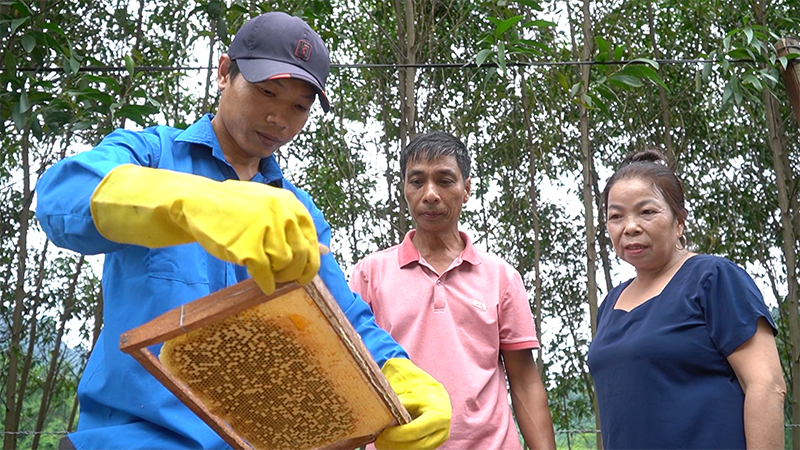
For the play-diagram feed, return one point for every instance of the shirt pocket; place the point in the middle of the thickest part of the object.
(186, 263)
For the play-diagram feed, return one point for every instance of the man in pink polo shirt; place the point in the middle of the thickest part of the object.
(461, 314)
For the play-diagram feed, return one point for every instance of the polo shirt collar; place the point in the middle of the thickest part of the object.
(408, 253)
(202, 133)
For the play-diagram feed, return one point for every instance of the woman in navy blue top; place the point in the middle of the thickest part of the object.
(684, 355)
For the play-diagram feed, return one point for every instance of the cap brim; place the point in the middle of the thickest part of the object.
(258, 70)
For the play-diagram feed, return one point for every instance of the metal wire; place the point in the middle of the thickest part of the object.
(575, 431)
(398, 66)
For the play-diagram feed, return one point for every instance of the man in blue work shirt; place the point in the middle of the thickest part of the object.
(217, 188)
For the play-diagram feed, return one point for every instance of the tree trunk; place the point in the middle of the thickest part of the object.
(533, 197)
(604, 243)
(406, 36)
(397, 224)
(37, 299)
(52, 371)
(777, 145)
(210, 71)
(12, 419)
(587, 159)
(136, 46)
(662, 93)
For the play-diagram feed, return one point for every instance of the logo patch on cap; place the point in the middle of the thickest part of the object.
(303, 50)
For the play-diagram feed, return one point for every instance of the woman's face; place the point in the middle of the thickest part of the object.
(644, 230)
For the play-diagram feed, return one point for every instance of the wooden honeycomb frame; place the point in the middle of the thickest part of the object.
(236, 300)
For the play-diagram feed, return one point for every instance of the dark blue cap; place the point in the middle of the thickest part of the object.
(277, 45)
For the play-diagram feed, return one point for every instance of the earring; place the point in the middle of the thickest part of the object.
(681, 242)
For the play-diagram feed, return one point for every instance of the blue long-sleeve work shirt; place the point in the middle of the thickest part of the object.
(122, 405)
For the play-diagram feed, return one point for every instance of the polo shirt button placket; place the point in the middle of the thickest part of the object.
(438, 297)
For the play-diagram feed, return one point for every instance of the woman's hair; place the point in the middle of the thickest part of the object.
(651, 165)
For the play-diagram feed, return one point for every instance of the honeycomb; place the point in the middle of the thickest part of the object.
(278, 375)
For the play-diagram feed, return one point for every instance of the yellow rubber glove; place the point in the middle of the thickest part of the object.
(264, 228)
(427, 402)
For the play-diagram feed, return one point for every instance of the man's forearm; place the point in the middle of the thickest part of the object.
(534, 420)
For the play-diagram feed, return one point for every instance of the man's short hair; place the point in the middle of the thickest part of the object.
(233, 69)
(435, 145)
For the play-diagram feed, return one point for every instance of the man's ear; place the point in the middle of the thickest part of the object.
(467, 189)
(223, 72)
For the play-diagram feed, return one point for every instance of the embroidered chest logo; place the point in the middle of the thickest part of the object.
(479, 305)
(303, 50)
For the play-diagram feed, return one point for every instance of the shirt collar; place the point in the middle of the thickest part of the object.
(202, 133)
(408, 253)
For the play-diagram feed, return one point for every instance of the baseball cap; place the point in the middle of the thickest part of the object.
(277, 45)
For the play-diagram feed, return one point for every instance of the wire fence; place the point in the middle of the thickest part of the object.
(575, 431)
(464, 65)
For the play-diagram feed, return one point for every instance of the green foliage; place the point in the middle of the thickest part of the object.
(518, 111)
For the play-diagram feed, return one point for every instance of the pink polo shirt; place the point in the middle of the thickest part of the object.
(453, 326)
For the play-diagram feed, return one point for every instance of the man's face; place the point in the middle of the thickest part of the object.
(258, 118)
(435, 192)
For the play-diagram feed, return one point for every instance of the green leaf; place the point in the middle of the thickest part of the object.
(540, 24)
(82, 125)
(602, 44)
(644, 72)
(53, 28)
(74, 65)
(501, 56)
(155, 103)
(56, 46)
(587, 101)
(606, 93)
(562, 80)
(16, 115)
(92, 94)
(36, 128)
(482, 55)
(111, 83)
(531, 4)
(769, 76)
(16, 23)
(214, 8)
(532, 45)
(222, 30)
(749, 33)
(626, 79)
(10, 62)
(651, 62)
(598, 103)
(706, 71)
(28, 43)
(57, 119)
(237, 8)
(506, 24)
(740, 53)
(129, 65)
(727, 93)
(619, 52)
(136, 113)
(574, 89)
(23, 102)
(752, 80)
